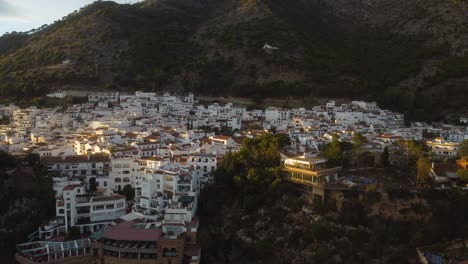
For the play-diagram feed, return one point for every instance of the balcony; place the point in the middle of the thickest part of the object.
(185, 182)
(183, 189)
(318, 172)
(130, 247)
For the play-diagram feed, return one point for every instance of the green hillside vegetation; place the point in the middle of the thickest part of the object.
(27, 201)
(251, 215)
(215, 48)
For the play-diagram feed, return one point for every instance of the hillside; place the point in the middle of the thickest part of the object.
(408, 55)
(253, 216)
(27, 201)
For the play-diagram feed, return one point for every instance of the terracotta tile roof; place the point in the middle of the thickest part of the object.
(389, 136)
(75, 159)
(153, 158)
(72, 187)
(149, 149)
(108, 198)
(221, 137)
(127, 231)
(131, 135)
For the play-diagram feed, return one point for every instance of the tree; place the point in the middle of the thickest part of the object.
(338, 153)
(463, 149)
(112, 149)
(254, 169)
(358, 140)
(159, 76)
(333, 152)
(7, 161)
(385, 156)
(415, 149)
(463, 175)
(423, 166)
(4, 121)
(129, 192)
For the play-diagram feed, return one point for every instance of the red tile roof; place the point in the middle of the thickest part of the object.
(126, 231)
(75, 159)
(221, 137)
(72, 187)
(108, 198)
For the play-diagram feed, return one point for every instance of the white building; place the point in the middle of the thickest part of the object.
(443, 148)
(160, 189)
(90, 212)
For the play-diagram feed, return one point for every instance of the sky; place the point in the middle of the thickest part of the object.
(24, 15)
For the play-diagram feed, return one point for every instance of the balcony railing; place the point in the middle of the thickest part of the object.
(318, 172)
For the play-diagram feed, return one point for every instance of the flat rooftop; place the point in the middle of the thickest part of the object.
(309, 159)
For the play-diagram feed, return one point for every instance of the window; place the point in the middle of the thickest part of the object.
(78, 190)
(110, 206)
(105, 183)
(98, 207)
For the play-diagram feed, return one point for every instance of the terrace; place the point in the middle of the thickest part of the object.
(131, 239)
(51, 251)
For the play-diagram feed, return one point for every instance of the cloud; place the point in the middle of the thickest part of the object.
(7, 9)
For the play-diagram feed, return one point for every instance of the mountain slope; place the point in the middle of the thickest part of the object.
(408, 55)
